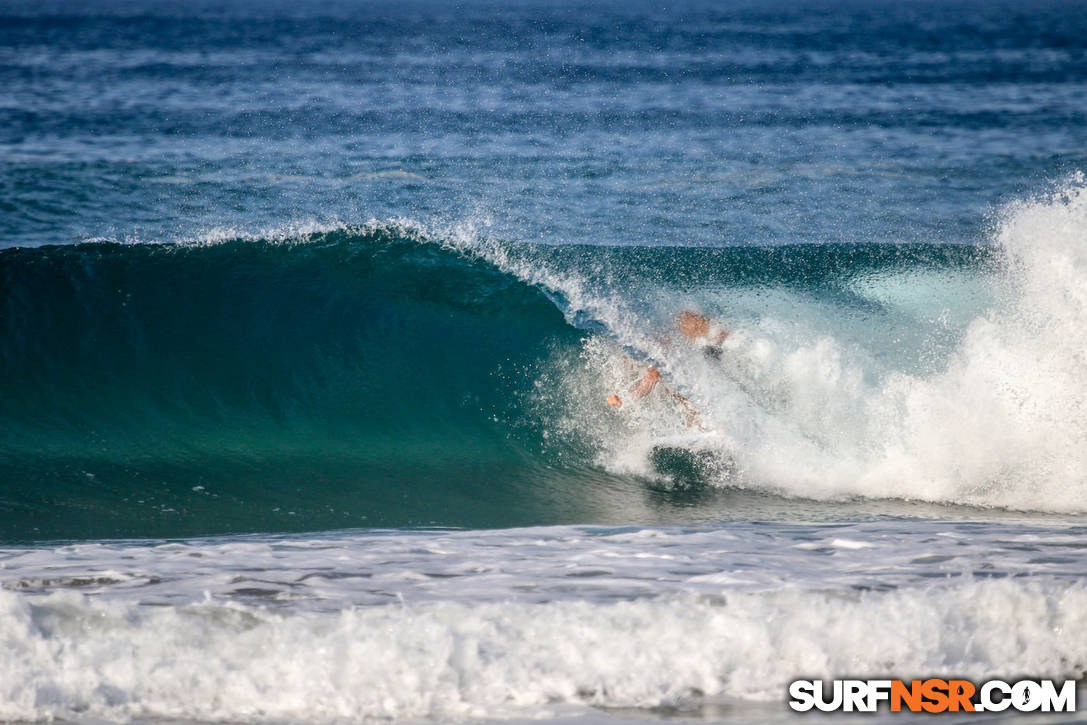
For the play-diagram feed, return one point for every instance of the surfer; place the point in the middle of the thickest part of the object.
(696, 329)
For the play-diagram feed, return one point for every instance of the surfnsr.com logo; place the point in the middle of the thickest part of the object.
(932, 695)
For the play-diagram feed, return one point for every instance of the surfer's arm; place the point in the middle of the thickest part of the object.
(643, 388)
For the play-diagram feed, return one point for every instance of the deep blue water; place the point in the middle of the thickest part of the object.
(604, 123)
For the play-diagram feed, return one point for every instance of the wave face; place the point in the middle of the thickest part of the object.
(353, 377)
(389, 375)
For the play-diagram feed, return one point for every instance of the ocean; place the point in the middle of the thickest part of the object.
(309, 313)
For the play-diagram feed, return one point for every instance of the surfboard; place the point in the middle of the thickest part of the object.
(692, 458)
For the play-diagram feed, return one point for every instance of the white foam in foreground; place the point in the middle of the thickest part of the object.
(67, 656)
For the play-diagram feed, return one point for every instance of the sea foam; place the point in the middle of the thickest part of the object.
(961, 386)
(70, 656)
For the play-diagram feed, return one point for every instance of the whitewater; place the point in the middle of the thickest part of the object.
(526, 623)
(809, 408)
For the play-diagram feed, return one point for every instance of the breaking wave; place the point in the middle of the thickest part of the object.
(390, 374)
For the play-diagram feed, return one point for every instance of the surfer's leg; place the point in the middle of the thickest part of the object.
(693, 419)
(646, 384)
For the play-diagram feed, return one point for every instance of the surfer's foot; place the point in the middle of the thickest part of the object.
(613, 401)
